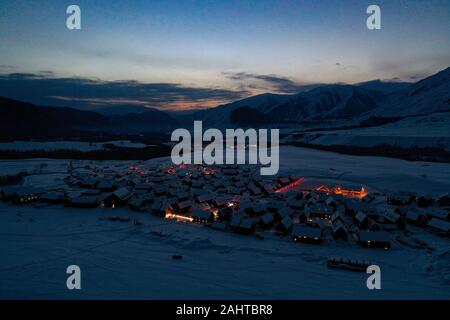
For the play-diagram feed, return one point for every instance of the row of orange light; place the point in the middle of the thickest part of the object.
(172, 170)
(290, 186)
(337, 190)
(345, 192)
(172, 215)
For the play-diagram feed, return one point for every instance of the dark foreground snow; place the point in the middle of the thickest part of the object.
(120, 260)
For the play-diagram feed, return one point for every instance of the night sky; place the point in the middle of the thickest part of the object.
(190, 54)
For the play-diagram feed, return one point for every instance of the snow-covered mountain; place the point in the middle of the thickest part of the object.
(419, 118)
(340, 101)
(424, 97)
(327, 102)
(221, 115)
(383, 86)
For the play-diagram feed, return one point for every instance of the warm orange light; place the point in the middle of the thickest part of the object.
(209, 171)
(345, 192)
(172, 215)
(216, 214)
(290, 186)
(171, 170)
(178, 217)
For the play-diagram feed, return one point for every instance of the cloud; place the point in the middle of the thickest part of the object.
(410, 68)
(393, 79)
(47, 73)
(267, 82)
(45, 89)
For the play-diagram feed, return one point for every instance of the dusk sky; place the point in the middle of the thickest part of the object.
(182, 54)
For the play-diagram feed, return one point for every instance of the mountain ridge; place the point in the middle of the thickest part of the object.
(28, 120)
(349, 103)
(363, 100)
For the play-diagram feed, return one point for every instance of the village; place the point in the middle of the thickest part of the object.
(235, 198)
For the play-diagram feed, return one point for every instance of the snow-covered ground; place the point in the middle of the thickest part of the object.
(376, 173)
(425, 131)
(123, 260)
(120, 260)
(58, 145)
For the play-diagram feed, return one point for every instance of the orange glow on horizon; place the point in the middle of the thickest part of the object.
(195, 104)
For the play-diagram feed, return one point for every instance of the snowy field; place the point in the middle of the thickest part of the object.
(425, 131)
(376, 173)
(120, 260)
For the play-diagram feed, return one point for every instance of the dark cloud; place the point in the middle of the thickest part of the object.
(393, 79)
(42, 88)
(48, 73)
(410, 68)
(271, 83)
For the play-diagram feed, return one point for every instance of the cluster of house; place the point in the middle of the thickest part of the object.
(235, 198)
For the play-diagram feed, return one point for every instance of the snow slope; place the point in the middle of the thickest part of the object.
(220, 115)
(423, 131)
(325, 102)
(328, 102)
(120, 260)
(424, 97)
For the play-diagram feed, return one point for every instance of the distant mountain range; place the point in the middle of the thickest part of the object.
(339, 101)
(118, 110)
(383, 86)
(347, 103)
(429, 95)
(21, 120)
